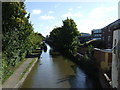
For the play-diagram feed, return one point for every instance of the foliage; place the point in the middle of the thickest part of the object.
(89, 63)
(65, 37)
(18, 37)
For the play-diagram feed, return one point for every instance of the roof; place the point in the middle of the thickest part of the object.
(114, 25)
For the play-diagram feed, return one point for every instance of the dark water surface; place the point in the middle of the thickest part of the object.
(55, 71)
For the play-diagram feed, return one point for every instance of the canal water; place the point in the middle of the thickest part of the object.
(56, 71)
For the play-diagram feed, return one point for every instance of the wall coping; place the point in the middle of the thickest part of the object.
(104, 50)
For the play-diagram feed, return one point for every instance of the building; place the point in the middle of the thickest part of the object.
(107, 37)
(107, 34)
(85, 34)
(84, 37)
(96, 34)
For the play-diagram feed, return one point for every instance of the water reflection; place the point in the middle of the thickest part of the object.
(56, 71)
(53, 53)
(45, 48)
(65, 78)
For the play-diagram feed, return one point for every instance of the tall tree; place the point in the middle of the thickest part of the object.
(18, 37)
(66, 37)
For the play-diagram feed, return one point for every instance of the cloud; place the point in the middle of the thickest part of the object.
(70, 9)
(79, 7)
(58, 23)
(97, 18)
(49, 27)
(50, 12)
(46, 17)
(77, 14)
(69, 14)
(101, 11)
(36, 11)
(57, 5)
(88, 25)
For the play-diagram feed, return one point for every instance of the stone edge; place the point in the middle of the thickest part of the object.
(19, 84)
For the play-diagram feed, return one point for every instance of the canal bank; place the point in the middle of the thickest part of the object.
(20, 74)
(57, 71)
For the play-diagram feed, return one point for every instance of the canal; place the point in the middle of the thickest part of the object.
(56, 71)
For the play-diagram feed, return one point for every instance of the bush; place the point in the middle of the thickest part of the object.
(88, 62)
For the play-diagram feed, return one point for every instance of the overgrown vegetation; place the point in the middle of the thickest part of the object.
(18, 37)
(65, 38)
(88, 62)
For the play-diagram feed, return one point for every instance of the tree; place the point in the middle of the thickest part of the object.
(18, 36)
(66, 37)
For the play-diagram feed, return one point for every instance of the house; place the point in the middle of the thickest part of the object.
(96, 34)
(110, 57)
(107, 34)
(84, 37)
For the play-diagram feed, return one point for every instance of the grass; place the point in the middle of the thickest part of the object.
(12, 69)
(30, 64)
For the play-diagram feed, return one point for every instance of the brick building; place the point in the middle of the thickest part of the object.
(84, 37)
(96, 34)
(107, 34)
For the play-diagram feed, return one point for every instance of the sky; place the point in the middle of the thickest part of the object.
(45, 16)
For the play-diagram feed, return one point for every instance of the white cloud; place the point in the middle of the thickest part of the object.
(77, 14)
(79, 7)
(88, 24)
(36, 11)
(70, 9)
(69, 14)
(101, 11)
(111, 8)
(97, 13)
(97, 18)
(50, 12)
(58, 23)
(57, 5)
(46, 17)
(49, 27)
